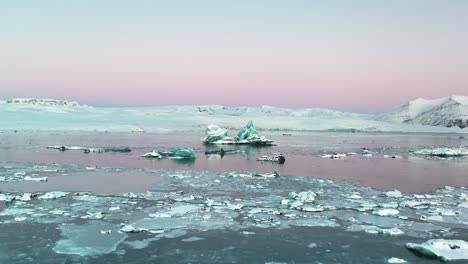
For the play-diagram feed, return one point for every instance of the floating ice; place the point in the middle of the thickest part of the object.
(443, 249)
(334, 156)
(53, 195)
(394, 193)
(276, 158)
(41, 179)
(396, 260)
(87, 239)
(153, 154)
(175, 153)
(376, 230)
(386, 212)
(443, 152)
(247, 135)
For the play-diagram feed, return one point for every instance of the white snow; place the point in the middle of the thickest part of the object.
(447, 111)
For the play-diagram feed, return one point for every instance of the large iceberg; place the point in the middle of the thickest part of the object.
(247, 135)
(214, 133)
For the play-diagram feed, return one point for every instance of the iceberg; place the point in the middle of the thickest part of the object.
(175, 153)
(247, 135)
(214, 133)
(445, 250)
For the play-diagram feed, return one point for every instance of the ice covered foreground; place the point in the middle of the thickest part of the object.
(188, 203)
(247, 135)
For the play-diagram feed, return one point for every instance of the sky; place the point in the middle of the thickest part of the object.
(362, 56)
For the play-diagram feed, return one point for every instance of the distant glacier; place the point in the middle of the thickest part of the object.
(448, 114)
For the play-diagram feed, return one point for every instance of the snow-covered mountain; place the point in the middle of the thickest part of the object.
(39, 102)
(447, 112)
(50, 114)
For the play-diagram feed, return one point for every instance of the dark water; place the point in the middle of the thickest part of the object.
(302, 151)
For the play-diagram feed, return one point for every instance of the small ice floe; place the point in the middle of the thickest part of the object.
(20, 176)
(131, 229)
(63, 148)
(275, 158)
(396, 260)
(445, 250)
(391, 156)
(394, 194)
(386, 212)
(236, 174)
(152, 154)
(138, 130)
(40, 179)
(90, 150)
(334, 156)
(267, 175)
(7, 197)
(53, 195)
(247, 135)
(446, 152)
(376, 230)
(302, 201)
(25, 197)
(192, 239)
(312, 245)
(175, 153)
(102, 150)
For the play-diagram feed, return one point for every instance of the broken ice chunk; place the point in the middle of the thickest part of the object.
(41, 179)
(445, 250)
(152, 154)
(53, 195)
(131, 229)
(334, 156)
(276, 158)
(394, 194)
(386, 212)
(396, 260)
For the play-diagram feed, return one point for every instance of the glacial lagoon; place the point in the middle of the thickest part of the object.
(339, 198)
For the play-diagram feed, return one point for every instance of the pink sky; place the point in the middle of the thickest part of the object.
(354, 57)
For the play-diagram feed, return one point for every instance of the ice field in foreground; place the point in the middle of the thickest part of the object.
(187, 205)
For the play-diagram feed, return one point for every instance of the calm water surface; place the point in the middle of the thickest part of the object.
(302, 150)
